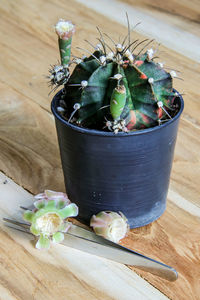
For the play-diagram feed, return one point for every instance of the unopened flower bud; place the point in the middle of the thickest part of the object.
(77, 106)
(119, 47)
(84, 83)
(64, 29)
(173, 74)
(118, 76)
(150, 53)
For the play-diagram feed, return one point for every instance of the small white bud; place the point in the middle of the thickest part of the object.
(161, 64)
(110, 55)
(118, 76)
(78, 61)
(84, 83)
(59, 76)
(176, 94)
(102, 59)
(173, 74)
(129, 55)
(58, 69)
(108, 124)
(150, 53)
(151, 80)
(77, 106)
(119, 47)
(60, 109)
(98, 47)
(160, 104)
(116, 131)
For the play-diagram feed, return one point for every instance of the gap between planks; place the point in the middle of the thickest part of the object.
(172, 37)
(128, 285)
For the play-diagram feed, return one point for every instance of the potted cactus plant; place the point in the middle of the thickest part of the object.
(117, 117)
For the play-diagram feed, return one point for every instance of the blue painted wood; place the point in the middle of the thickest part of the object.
(124, 172)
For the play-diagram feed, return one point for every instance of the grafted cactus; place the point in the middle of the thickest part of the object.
(118, 89)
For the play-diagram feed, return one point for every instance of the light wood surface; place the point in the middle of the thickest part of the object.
(61, 273)
(29, 151)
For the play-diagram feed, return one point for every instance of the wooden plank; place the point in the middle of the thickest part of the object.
(29, 152)
(61, 273)
(184, 14)
(173, 35)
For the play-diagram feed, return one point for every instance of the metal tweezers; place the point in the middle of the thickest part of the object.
(87, 241)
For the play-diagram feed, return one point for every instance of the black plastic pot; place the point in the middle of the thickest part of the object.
(117, 172)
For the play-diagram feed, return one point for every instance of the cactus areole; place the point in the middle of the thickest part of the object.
(117, 91)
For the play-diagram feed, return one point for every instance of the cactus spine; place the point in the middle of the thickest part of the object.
(124, 89)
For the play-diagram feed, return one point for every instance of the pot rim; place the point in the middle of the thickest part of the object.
(112, 134)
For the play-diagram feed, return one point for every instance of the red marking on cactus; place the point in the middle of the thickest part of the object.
(133, 120)
(125, 65)
(143, 76)
(139, 62)
(126, 61)
(160, 112)
(145, 118)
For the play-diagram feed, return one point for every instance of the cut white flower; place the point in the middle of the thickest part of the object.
(48, 219)
(110, 225)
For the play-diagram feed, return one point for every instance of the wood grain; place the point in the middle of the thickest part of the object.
(61, 273)
(29, 151)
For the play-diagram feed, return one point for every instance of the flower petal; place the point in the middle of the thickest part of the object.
(65, 226)
(40, 196)
(39, 204)
(62, 203)
(58, 237)
(51, 204)
(28, 215)
(70, 210)
(43, 242)
(34, 231)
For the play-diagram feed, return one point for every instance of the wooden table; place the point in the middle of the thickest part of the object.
(29, 152)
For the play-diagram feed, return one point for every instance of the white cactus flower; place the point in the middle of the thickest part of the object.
(64, 29)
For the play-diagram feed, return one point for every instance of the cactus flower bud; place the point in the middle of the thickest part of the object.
(173, 74)
(110, 225)
(150, 53)
(64, 30)
(48, 219)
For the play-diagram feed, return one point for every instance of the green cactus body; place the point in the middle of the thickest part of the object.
(95, 85)
(146, 83)
(65, 50)
(118, 101)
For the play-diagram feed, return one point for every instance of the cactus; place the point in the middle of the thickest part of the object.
(119, 90)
